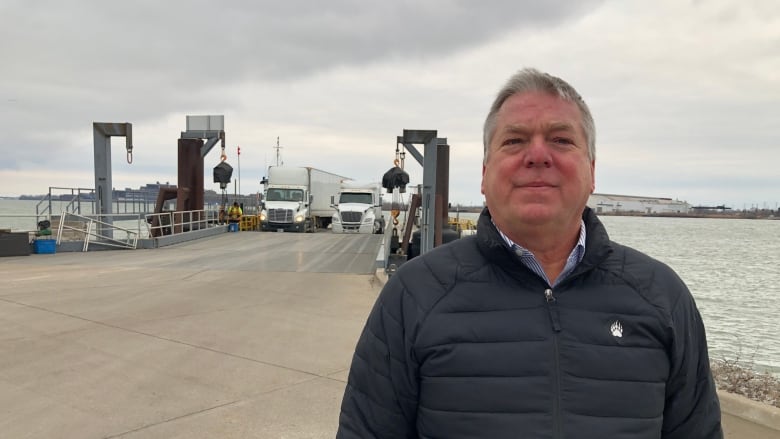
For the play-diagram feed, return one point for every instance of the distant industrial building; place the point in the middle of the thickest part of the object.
(627, 204)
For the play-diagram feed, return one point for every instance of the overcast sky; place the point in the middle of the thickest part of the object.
(685, 94)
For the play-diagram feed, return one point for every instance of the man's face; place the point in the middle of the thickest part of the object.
(537, 170)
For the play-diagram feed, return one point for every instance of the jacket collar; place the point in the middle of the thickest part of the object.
(597, 245)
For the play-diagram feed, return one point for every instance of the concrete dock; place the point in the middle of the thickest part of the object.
(241, 335)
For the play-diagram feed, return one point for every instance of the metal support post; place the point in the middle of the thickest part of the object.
(430, 162)
(427, 226)
(101, 135)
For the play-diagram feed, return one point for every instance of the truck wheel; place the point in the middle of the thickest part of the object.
(378, 227)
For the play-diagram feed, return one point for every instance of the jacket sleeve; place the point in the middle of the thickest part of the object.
(380, 400)
(692, 410)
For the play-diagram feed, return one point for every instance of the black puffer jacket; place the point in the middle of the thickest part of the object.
(466, 342)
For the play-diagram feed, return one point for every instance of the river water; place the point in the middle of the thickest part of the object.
(732, 267)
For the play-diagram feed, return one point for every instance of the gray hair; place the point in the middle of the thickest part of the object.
(531, 80)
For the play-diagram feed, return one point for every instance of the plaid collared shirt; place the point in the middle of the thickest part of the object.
(529, 260)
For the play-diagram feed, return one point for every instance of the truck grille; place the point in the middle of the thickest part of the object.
(280, 215)
(351, 217)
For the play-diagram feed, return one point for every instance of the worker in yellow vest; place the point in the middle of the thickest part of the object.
(235, 213)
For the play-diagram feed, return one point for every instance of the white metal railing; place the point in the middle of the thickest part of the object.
(96, 231)
(72, 202)
(177, 222)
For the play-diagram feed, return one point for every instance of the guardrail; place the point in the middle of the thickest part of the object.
(175, 222)
(118, 230)
(95, 231)
(73, 202)
(249, 222)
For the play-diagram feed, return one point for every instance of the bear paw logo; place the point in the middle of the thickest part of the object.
(616, 329)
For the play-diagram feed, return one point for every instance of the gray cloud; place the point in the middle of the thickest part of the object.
(683, 93)
(197, 42)
(68, 64)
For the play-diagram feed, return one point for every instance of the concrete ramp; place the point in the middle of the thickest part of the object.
(322, 252)
(241, 335)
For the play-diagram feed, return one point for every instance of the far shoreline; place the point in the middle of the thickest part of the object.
(735, 215)
(760, 214)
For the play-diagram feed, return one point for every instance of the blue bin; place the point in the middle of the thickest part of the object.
(233, 227)
(45, 246)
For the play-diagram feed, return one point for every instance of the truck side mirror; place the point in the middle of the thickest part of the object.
(332, 201)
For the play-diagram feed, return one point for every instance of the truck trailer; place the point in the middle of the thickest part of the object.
(297, 199)
(358, 208)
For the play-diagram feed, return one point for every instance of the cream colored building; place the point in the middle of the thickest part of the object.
(610, 203)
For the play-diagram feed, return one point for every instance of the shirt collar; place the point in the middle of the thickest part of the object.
(575, 257)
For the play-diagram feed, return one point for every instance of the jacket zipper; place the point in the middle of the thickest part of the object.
(556, 325)
(551, 300)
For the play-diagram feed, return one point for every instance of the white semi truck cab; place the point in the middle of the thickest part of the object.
(358, 209)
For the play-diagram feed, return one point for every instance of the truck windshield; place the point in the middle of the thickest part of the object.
(362, 198)
(284, 195)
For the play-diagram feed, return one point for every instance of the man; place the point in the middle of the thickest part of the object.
(539, 326)
(234, 213)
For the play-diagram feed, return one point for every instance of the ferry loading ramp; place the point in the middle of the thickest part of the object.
(240, 335)
(235, 336)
